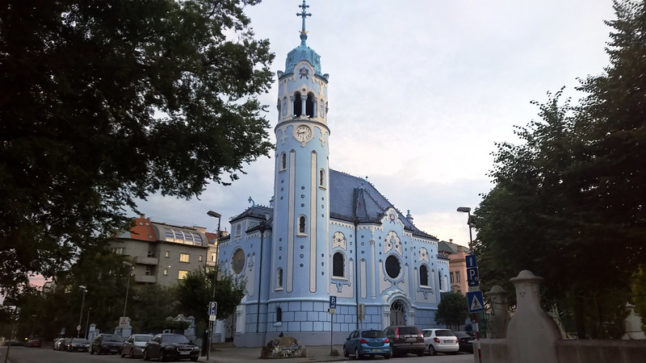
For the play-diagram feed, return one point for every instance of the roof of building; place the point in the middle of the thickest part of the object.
(144, 229)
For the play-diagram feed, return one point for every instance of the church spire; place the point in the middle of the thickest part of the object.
(303, 14)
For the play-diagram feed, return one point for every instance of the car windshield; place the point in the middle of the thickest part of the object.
(143, 338)
(112, 338)
(408, 330)
(373, 334)
(444, 333)
(81, 341)
(174, 339)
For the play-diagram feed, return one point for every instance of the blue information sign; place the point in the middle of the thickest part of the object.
(471, 261)
(475, 301)
(472, 276)
(332, 302)
(213, 308)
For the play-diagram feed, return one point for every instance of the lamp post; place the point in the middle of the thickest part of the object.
(78, 328)
(263, 228)
(467, 210)
(125, 303)
(215, 278)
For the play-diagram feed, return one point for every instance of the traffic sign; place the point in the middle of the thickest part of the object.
(475, 301)
(471, 261)
(472, 276)
(213, 310)
(332, 302)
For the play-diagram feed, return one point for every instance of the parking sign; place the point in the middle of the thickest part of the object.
(332, 302)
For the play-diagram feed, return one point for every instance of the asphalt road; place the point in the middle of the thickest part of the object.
(48, 355)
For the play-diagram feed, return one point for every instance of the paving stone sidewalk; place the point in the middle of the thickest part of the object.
(228, 353)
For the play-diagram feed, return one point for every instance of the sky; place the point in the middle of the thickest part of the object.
(419, 93)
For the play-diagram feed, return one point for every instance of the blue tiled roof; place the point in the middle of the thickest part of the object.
(257, 211)
(303, 52)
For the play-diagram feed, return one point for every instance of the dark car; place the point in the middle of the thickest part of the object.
(135, 344)
(106, 343)
(78, 345)
(465, 339)
(367, 343)
(33, 342)
(405, 339)
(171, 346)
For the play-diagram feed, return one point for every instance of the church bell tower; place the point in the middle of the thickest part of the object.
(301, 189)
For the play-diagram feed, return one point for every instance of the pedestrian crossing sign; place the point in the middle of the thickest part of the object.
(475, 301)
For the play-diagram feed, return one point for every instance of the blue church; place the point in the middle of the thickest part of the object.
(325, 234)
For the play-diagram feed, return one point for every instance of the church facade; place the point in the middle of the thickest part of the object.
(325, 234)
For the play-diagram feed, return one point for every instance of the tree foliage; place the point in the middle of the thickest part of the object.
(452, 310)
(568, 201)
(106, 102)
(196, 290)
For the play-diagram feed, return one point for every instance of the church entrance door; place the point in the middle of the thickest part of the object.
(398, 313)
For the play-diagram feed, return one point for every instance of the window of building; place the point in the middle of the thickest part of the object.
(301, 225)
(151, 253)
(237, 261)
(283, 161)
(213, 257)
(149, 270)
(457, 277)
(199, 258)
(167, 254)
(181, 274)
(423, 275)
(298, 104)
(279, 278)
(165, 272)
(279, 314)
(393, 267)
(284, 108)
(338, 262)
(452, 279)
(238, 229)
(322, 178)
(310, 105)
(184, 257)
(118, 250)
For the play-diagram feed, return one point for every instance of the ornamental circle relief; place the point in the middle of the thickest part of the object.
(237, 261)
(393, 267)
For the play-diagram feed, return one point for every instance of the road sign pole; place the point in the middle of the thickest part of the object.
(331, 330)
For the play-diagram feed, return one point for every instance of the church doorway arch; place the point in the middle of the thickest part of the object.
(398, 312)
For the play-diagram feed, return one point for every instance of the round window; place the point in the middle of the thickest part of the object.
(237, 261)
(392, 266)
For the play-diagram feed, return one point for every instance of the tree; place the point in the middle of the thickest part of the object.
(452, 310)
(196, 290)
(106, 102)
(150, 306)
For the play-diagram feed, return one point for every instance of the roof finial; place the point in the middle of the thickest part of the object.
(303, 14)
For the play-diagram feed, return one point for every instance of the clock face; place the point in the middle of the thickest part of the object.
(303, 133)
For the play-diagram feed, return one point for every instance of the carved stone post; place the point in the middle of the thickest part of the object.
(500, 317)
(531, 334)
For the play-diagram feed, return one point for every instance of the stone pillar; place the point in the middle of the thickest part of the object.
(633, 324)
(500, 317)
(531, 334)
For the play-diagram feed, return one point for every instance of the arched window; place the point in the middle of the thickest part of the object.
(284, 108)
(439, 276)
(298, 104)
(338, 270)
(310, 105)
(283, 161)
(279, 314)
(301, 224)
(423, 275)
(322, 178)
(279, 278)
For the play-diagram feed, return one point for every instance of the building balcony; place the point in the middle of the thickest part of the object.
(146, 279)
(146, 260)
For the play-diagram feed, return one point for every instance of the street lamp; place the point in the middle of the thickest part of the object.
(467, 210)
(263, 228)
(125, 303)
(215, 277)
(78, 327)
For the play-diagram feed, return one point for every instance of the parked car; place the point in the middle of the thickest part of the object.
(134, 345)
(61, 343)
(78, 345)
(106, 343)
(405, 339)
(367, 343)
(465, 340)
(33, 342)
(440, 340)
(171, 346)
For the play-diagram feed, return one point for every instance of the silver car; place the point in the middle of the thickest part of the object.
(134, 345)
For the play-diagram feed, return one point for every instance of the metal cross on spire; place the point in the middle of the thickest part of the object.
(304, 14)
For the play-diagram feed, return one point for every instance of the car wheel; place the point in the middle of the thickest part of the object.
(431, 350)
(345, 352)
(356, 354)
(146, 357)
